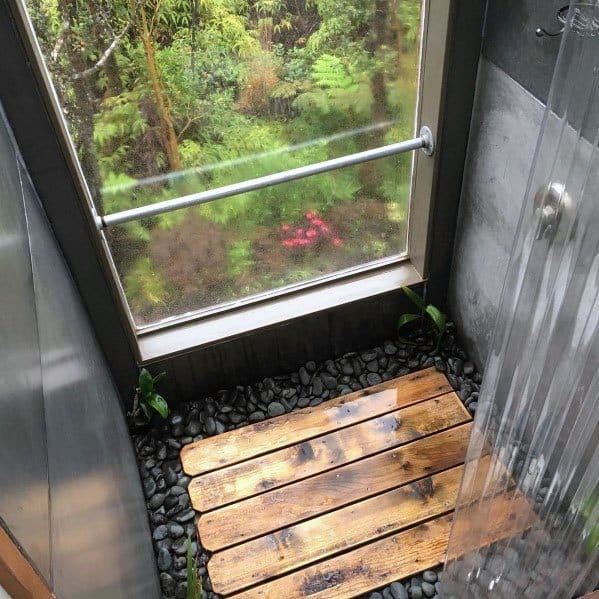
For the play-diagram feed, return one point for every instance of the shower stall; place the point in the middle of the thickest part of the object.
(534, 452)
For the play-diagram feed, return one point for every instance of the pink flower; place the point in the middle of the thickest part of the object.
(310, 215)
(303, 241)
(337, 242)
(324, 229)
(288, 243)
(311, 233)
(285, 227)
(299, 232)
(317, 222)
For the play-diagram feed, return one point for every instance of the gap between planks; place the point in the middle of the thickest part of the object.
(333, 489)
(269, 556)
(326, 452)
(388, 459)
(260, 438)
(310, 541)
(394, 557)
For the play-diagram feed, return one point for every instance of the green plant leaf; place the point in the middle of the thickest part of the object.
(158, 378)
(405, 319)
(414, 298)
(437, 317)
(145, 410)
(592, 541)
(146, 384)
(589, 506)
(194, 581)
(158, 403)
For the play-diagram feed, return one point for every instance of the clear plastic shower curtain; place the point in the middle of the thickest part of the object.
(527, 517)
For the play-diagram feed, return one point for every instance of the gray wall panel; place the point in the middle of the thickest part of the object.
(512, 85)
(69, 486)
(505, 125)
(45, 155)
(23, 465)
(511, 43)
(100, 534)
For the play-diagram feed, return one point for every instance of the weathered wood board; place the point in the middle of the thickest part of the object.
(337, 500)
(260, 438)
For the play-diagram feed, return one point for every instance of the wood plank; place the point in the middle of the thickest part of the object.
(17, 575)
(260, 438)
(242, 566)
(361, 570)
(379, 563)
(471, 530)
(333, 489)
(326, 452)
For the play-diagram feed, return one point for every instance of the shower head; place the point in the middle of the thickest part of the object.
(584, 20)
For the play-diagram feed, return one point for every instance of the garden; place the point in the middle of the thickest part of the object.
(170, 97)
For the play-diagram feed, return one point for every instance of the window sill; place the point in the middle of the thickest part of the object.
(184, 337)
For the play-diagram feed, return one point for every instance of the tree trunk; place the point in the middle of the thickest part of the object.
(194, 41)
(369, 175)
(82, 107)
(168, 136)
(380, 110)
(102, 39)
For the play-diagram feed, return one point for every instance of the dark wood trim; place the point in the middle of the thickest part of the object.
(17, 576)
(464, 54)
(34, 125)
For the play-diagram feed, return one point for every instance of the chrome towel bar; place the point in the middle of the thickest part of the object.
(424, 142)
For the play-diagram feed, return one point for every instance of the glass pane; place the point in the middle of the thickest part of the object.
(168, 97)
(240, 246)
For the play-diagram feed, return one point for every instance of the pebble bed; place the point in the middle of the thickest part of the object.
(172, 519)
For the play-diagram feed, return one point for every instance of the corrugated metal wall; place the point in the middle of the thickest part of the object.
(69, 487)
(24, 503)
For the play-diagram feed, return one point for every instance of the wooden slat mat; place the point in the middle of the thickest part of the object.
(336, 500)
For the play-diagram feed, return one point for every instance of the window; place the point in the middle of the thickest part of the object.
(167, 98)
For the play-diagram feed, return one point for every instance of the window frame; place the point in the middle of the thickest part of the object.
(184, 333)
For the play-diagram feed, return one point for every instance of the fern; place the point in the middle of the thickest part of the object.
(240, 257)
(144, 287)
(330, 72)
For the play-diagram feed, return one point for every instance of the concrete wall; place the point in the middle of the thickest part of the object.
(69, 486)
(513, 82)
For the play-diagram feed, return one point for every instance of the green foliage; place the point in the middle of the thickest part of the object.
(241, 83)
(426, 313)
(147, 401)
(240, 257)
(145, 287)
(415, 298)
(331, 72)
(119, 118)
(590, 513)
(341, 20)
(408, 14)
(194, 581)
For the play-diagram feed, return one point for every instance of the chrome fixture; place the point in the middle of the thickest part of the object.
(584, 20)
(424, 142)
(549, 203)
